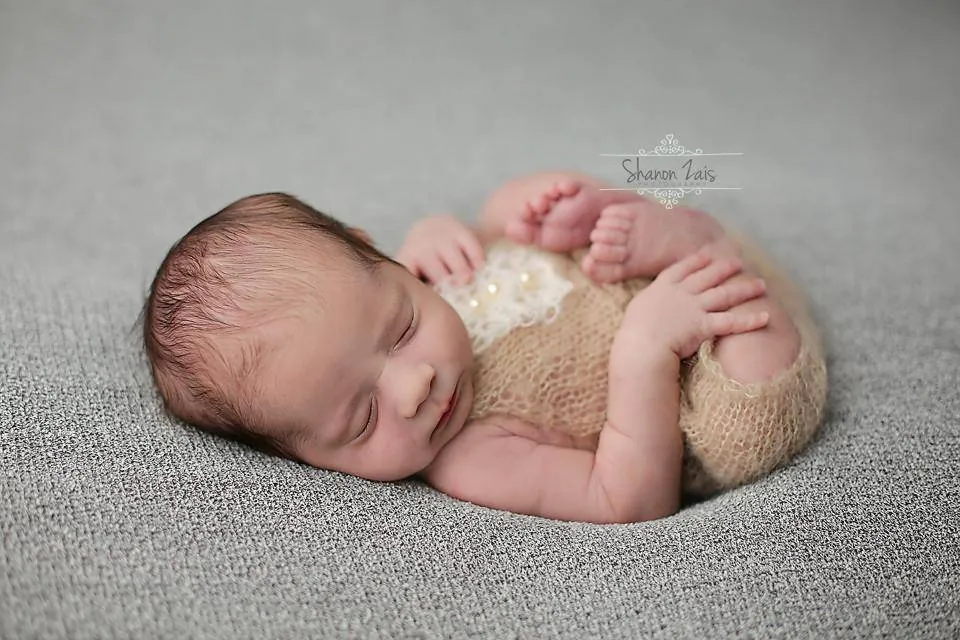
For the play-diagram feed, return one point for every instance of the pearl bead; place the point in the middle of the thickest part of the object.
(492, 288)
(528, 280)
(474, 303)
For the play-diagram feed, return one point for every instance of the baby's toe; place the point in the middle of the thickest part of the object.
(619, 214)
(601, 270)
(520, 231)
(541, 204)
(608, 236)
(568, 187)
(530, 215)
(615, 223)
(613, 253)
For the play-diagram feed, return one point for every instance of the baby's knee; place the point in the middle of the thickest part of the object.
(762, 354)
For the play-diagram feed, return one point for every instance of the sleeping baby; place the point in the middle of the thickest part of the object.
(579, 354)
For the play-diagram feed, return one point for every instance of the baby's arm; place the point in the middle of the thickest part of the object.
(633, 476)
(635, 473)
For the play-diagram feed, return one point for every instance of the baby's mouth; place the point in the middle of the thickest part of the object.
(451, 407)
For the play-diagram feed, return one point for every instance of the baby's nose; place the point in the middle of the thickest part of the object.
(419, 382)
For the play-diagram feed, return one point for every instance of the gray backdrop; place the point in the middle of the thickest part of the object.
(123, 123)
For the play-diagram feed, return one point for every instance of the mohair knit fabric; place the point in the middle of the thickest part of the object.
(554, 375)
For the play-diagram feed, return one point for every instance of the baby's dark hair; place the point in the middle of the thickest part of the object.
(238, 269)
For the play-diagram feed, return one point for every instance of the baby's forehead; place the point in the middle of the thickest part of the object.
(302, 285)
(345, 294)
(345, 276)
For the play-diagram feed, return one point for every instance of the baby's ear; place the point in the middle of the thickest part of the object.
(360, 233)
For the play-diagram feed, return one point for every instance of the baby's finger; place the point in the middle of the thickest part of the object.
(682, 268)
(473, 250)
(731, 294)
(434, 269)
(712, 275)
(455, 260)
(726, 323)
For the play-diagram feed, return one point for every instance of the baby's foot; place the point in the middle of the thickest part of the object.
(641, 239)
(559, 219)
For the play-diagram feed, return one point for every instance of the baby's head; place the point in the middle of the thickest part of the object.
(275, 325)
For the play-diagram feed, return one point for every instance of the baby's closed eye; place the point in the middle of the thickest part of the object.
(409, 330)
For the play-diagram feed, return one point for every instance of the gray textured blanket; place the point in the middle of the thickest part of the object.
(124, 123)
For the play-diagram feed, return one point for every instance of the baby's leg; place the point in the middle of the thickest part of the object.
(629, 236)
(761, 354)
(553, 210)
(753, 400)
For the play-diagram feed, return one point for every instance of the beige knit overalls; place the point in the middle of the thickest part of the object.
(542, 333)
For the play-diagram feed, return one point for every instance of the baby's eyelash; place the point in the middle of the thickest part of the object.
(413, 324)
(370, 416)
(409, 331)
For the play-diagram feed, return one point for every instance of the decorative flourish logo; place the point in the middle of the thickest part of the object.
(668, 185)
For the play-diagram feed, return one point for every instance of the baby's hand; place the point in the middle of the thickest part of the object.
(691, 302)
(441, 247)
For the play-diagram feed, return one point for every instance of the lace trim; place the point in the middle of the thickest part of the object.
(517, 287)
